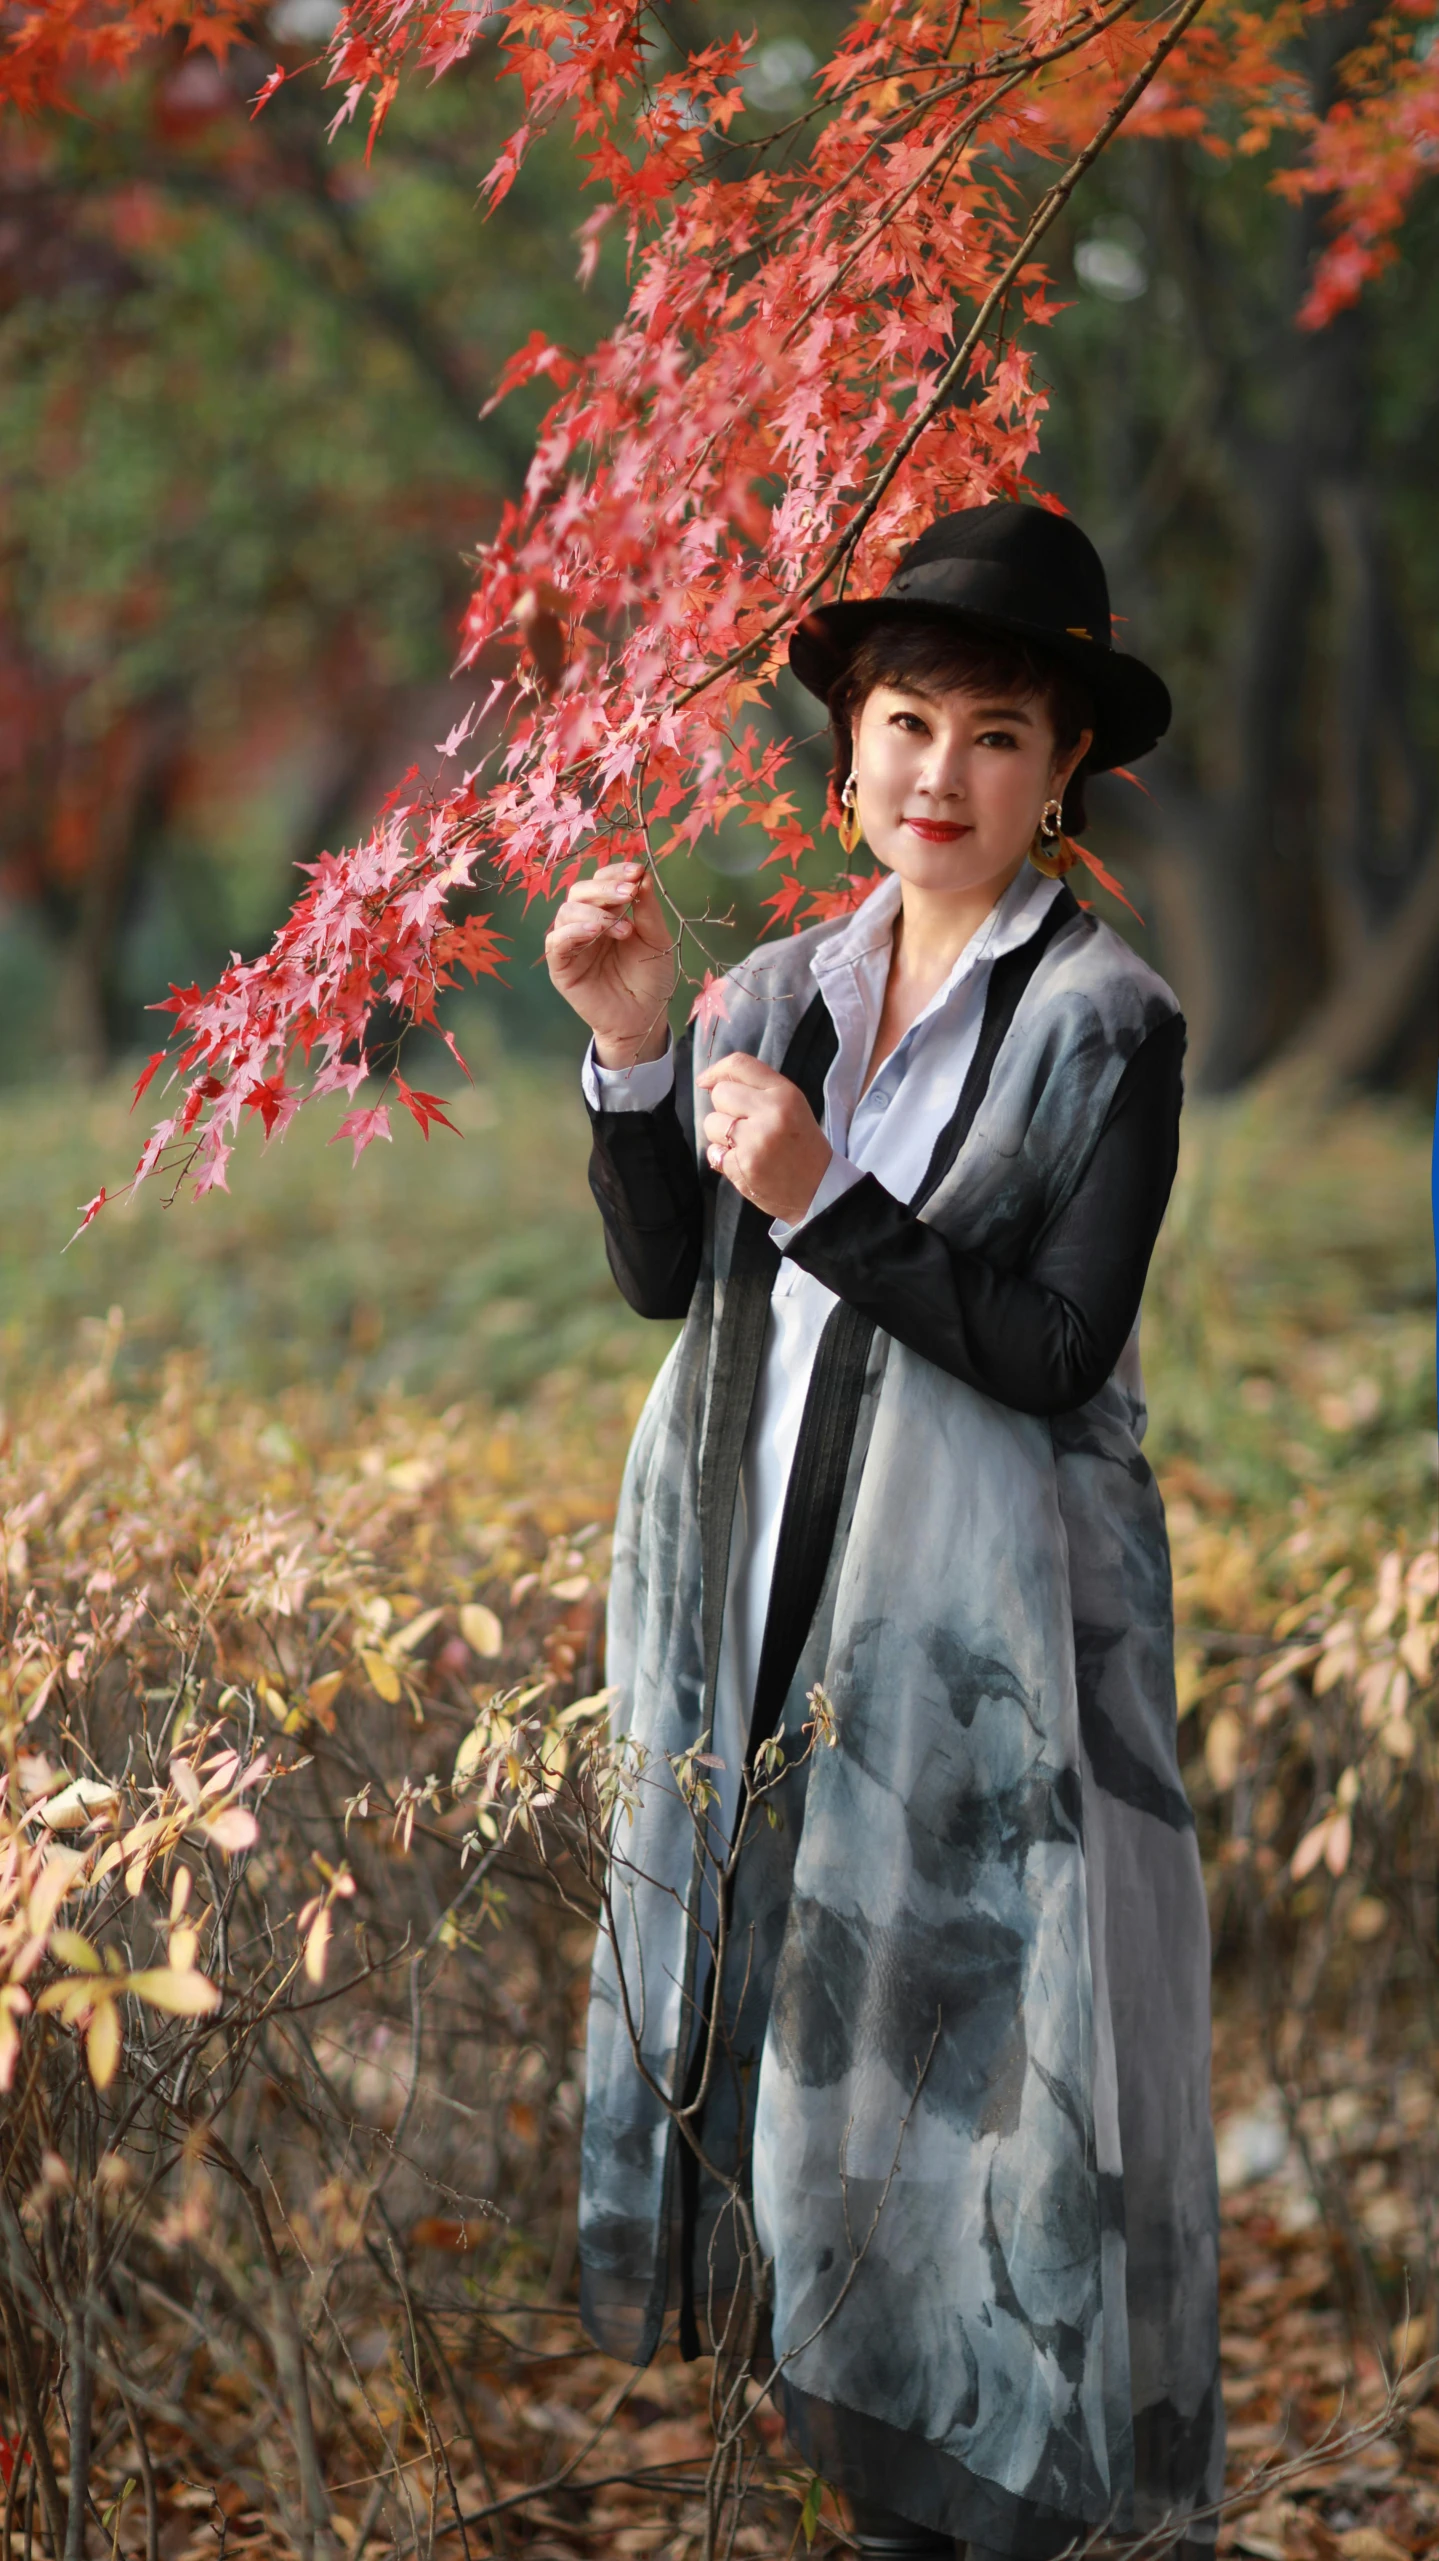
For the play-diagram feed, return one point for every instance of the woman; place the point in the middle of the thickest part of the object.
(904, 1195)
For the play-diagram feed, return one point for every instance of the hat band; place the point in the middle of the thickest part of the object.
(987, 587)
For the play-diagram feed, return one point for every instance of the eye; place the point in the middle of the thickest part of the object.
(910, 722)
(997, 738)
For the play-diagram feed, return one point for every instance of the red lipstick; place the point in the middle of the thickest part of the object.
(937, 831)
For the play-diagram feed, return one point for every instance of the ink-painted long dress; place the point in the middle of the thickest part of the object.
(964, 1995)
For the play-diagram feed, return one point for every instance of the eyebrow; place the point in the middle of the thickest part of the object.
(982, 711)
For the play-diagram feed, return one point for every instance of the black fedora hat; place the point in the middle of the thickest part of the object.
(1017, 570)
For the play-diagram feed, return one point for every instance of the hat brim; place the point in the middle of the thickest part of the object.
(1132, 706)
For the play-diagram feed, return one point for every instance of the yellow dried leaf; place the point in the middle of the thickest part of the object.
(1338, 1844)
(382, 1676)
(1224, 1749)
(183, 1944)
(1421, 1583)
(234, 1829)
(1369, 2543)
(80, 1802)
(481, 1629)
(1398, 1739)
(1310, 1850)
(579, 1709)
(102, 2044)
(467, 1758)
(50, 1889)
(1297, 1659)
(415, 1630)
(274, 1702)
(1416, 1651)
(1369, 1919)
(71, 1949)
(1372, 1691)
(321, 1693)
(317, 1945)
(573, 1588)
(1188, 1679)
(188, 1996)
(69, 2000)
(1340, 1657)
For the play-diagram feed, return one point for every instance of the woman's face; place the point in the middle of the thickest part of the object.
(951, 785)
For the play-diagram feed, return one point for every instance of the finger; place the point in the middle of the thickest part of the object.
(772, 1102)
(648, 914)
(574, 928)
(613, 888)
(735, 1102)
(718, 1125)
(738, 1065)
(722, 1160)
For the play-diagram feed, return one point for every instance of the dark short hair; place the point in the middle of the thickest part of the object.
(942, 657)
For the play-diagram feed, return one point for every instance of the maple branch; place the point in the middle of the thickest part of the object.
(1021, 60)
(1046, 213)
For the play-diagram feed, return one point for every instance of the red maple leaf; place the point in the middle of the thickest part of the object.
(425, 1108)
(1105, 878)
(273, 1099)
(155, 1060)
(472, 945)
(90, 1211)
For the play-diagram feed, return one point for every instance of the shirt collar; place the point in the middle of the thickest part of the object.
(1010, 922)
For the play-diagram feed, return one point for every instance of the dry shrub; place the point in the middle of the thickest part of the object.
(290, 2026)
(1316, 1784)
(296, 1900)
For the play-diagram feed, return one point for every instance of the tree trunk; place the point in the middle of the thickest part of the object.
(126, 817)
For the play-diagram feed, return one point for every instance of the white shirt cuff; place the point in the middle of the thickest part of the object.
(628, 1089)
(839, 1177)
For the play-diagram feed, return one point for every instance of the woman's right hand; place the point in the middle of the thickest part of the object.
(612, 956)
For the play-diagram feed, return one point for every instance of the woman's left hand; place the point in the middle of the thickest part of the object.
(762, 1136)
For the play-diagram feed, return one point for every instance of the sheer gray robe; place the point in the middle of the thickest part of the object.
(964, 1993)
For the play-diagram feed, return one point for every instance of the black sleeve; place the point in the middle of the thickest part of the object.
(645, 1177)
(1043, 1339)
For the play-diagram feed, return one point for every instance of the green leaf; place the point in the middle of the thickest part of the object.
(809, 2513)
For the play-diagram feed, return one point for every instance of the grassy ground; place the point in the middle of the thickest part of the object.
(1288, 1329)
(463, 1265)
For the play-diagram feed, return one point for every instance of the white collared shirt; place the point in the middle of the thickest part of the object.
(869, 1135)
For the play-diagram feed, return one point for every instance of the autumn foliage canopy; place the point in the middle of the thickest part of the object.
(830, 336)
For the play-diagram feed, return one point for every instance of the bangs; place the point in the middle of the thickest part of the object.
(936, 656)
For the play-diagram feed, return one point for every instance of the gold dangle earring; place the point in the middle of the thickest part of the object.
(849, 827)
(1050, 850)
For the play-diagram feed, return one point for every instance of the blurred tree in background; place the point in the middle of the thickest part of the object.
(240, 378)
(241, 459)
(1264, 496)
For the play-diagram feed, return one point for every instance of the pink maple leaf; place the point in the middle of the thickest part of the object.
(210, 1174)
(364, 1128)
(711, 1005)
